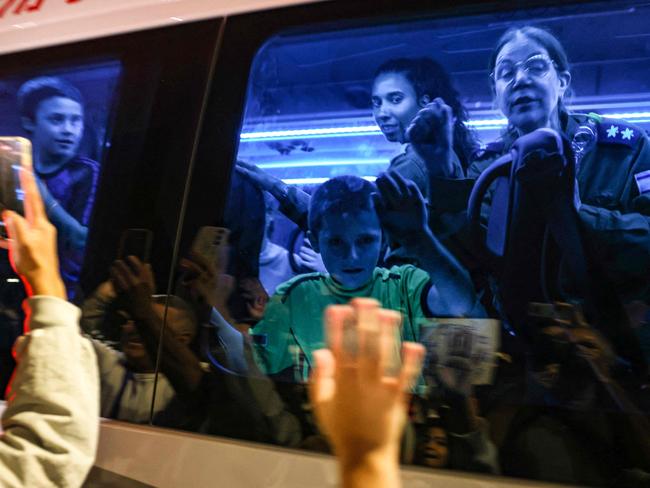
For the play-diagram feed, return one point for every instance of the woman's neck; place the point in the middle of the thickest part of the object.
(553, 122)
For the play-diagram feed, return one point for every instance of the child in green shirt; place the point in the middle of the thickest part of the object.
(346, 217)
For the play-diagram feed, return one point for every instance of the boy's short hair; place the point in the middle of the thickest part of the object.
(340, 194)
(34, 91)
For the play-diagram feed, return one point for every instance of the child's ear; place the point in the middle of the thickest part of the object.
(313, 241)
(28, 124)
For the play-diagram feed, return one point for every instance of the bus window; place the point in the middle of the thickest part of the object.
(112, 124)
(361, 165)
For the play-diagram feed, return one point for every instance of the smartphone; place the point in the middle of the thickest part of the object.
(135, 242)
(211, 244)
(15, 156)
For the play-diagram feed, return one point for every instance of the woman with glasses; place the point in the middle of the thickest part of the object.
(530, 79)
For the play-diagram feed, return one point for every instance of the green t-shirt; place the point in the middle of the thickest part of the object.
(292, 327)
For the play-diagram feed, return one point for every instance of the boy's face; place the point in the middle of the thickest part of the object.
(349, 245)
(57, 128)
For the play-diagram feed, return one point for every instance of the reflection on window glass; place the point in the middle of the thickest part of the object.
(65, 113)
(487, 178)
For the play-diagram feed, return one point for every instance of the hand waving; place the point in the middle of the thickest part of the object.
(361, 409)
(400, 207)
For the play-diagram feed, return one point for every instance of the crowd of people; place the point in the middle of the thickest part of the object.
(318, 341)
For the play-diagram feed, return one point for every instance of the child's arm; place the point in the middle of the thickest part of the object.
(294, 203)
(74, 233)
(402, 212)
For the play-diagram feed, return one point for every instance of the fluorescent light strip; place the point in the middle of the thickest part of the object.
(309, 132)
(316, 181)
(309, 164)
(483, 124)
(628, 115)
(345, 131)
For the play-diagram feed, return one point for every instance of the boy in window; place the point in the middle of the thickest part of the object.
(52, 113)
(346, 218)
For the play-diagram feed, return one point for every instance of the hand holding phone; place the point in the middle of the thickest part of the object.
(211, 246)
(135, 242)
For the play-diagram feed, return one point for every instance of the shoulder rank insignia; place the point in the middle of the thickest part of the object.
(614, 131)
(643, 181)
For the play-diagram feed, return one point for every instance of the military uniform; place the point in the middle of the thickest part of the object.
(614, 186)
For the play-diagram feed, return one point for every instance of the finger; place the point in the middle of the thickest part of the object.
(135, 263)
(226, 284)
(190, 267)
(413, 191)
(388, 189)
(412, 358)
(223, 258)
(321, 386)
(198, 261)
(125, 274)
(118, 279)
(245, 165)
(401, 183)
(390, 343)
(368, 336)
(378, 203)
(16, 226)
(337, 319)
(365, 310)
(432, 112)
(307, 252)
(147, 274)
(32, 202)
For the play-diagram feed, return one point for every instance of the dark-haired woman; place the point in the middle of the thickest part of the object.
(401, 88)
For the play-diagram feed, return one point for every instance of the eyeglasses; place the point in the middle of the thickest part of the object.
(537, 66)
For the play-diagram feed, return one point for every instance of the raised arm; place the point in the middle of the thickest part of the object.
(403, 215)
(294, 203)
(134, 283)
(51, 422)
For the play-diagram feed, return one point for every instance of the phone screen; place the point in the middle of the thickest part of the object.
(15, 155)
(136, 242)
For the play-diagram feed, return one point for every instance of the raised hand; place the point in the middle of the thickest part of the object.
(431, 133)
(360, 407)
(32, 243)
(400, 207)
(134, 283)
(207, 279)
(309, 260)
(257, 176)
